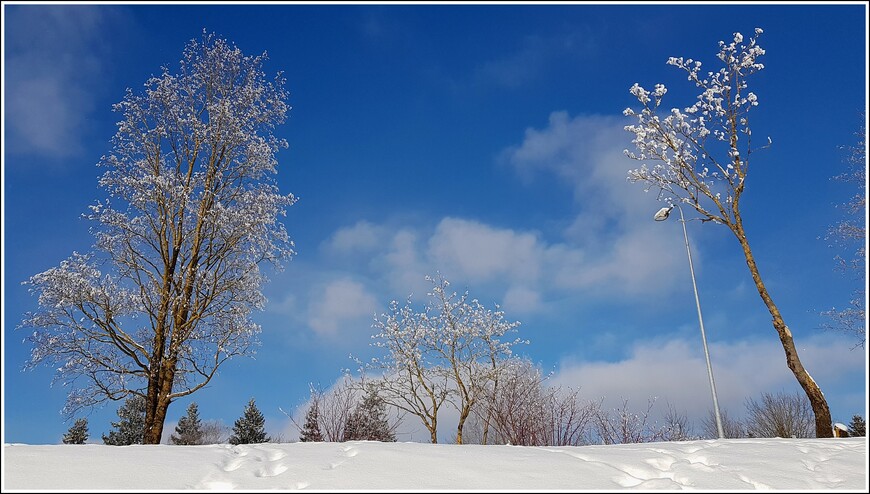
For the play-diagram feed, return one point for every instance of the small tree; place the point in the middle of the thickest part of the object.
(189, 428)
(311, 429)
(779, 415)
(703, 155)
(78, 433)
(131, 428)
(368, 422)
(857, 427)
(733, 428)
(250, 427)
(448, 352)
(213, 432)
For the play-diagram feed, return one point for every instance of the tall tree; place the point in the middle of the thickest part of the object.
(851, 232)
(250, 427)
(311, 429)
(191, 215)
(189, 428)
(78, 433)
(130, 429)
(703, 155)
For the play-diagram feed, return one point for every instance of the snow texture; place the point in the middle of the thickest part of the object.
(730, 464)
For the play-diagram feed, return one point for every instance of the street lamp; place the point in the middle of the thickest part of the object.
(662, 215)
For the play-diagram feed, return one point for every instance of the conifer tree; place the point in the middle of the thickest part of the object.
(368, 422)
(189, 428)
(250, 427)
(131, 427)
(78, 433)
(857, 427)
(311, 429)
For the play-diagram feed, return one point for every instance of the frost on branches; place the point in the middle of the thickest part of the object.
(449, 352)
(700, 157)
(191, 212)
(702, 151)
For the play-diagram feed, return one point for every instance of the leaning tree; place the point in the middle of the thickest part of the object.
(702, 160)
(166, 295)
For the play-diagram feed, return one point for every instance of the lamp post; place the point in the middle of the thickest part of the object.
(662, 215)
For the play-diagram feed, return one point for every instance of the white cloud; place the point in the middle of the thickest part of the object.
(340, 306)
(480, 252)
(521, 299)
(54, 68)
(675, 371)
(361, 237)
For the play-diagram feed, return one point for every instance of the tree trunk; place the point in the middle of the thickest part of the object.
(154, 430)
(433, 431)
(824, 426)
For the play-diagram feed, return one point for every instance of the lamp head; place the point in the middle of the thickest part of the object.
(663, 213)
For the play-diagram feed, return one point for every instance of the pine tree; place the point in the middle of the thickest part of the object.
(368, 421)
(857, 427)
(131, 427)
(311, 429)
(250, 427)
(78, 433)
(189, 428)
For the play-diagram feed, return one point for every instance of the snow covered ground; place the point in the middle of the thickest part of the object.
(788, 464)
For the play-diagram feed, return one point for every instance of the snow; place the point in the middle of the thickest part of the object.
(725, 464)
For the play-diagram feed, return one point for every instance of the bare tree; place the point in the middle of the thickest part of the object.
(779, 415)
(192, 214)
(703, 153)
(848, 232)
(623, 426)
(334, 406)
(676, 426)
(214, 432)
(732, 427)
(522, 410)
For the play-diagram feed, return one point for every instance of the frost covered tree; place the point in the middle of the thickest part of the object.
(311, 428)
(368, 421)
(78, 433)
(192, 214)
(847, 233)
(702, 155)
(447, 353)
(131, 428)
(189, 428)
(250, 427)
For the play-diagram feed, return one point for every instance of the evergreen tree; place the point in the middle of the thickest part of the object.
(250, 427)
(78, 433)
(131, 427)
(311, 429)
(857, 427)
(368, 421)
(189, 428)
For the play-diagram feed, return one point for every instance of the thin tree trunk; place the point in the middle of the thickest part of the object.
(824, 426)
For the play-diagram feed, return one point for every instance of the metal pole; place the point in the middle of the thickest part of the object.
(703, 334)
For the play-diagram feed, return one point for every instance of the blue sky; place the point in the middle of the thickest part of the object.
(484, 141)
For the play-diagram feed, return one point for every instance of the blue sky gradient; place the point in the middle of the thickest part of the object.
(484, 141)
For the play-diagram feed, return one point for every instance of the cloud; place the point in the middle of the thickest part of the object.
(534, 56)
(53, 67)
(480, 252)
(342, 304)
(675, 371)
